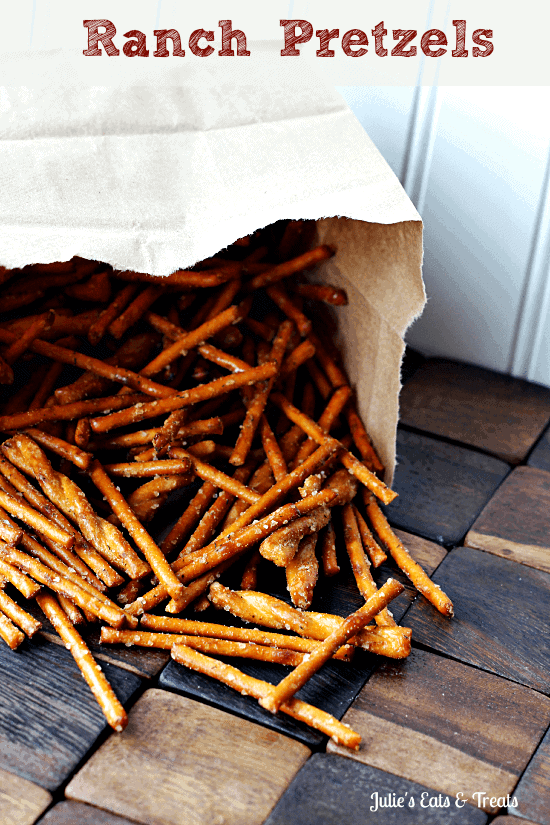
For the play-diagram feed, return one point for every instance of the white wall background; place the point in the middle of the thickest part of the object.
(476, 163)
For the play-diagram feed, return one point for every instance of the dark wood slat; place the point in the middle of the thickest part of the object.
(500, 617)
(442, 487)
(181, 761)
(21, 801)
(515, 523)
(417, 720)
(513, 820)
(533, 791)
(76, 813)
(331, 789)
(49, 719)
(496, 413)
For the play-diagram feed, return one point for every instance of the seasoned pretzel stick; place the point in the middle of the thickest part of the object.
(349, 627)
(158, 487)
(134, 311)
(272, 450)
(24, 420)
(121, 300)
(249, 579)
(302, 353)
(140, 535)
(114, 712)
(50, 378)
(302, 572)
(372, 548)
(268, 611)
(18, 508)
(282, 545)
(189, 518)
(216, 647)
(26, 586)
(86, 362)
(258, 401)
(248, 685)
(203, 560)
(209, 426)
(10, 532)
(57, 445)
(221, 480)
(359, 563)
(66, 495)
(362, 440)
(279, 296)
(328, 551)
(6, 372)
(359, 470)
(181, 399)
(98, 288)
(10, 633)
(142, 469)
(322, 292)
(184, 279)
(20, 345)
(333, 372)
(26, 622)
(193, 339)
(73, 613)
(406, 563)
(277, 273)
(81, 553)
(112, 615)
(327, 420)
(318, 377)
(170, 624)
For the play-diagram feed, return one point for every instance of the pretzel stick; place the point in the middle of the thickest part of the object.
(277, 273)
(81, 553)
(141, 469)
(216, 647)
(193, 590)
(121, 300)
(184, 279)
(140, 535)
(279, 296)
(302, 353)
(132, 355)
(21, 299)
(100, 687)
(282, 545)
(209, 426)
(112, 615)
(10, 532)
(24, 420)
(362, 473)
(28, 624)
(65, 323)
(98, 288)
(66, 495)
(322, 292)
(250, 686)
(189, 518)
(261, 608)
(333, 372)
(349, 627)
(48, 383)
(10, 634)
(263, 331)
(249, 579)
(62, 448)
(193, 339)
(170, 624)
(272, 450)
(359, 563)
(362, 441)
(328, 551)
(328, 418)
(158, 487)
(182, 399)
(258, 401)
(134, 311)
(73, 613)
(372, 548)
(302, 572)
(18, 508)
(26, 586)
(6, 372)
(400, 555)
(86, 362)
(20, 345)
(318, 377)
(221, 480)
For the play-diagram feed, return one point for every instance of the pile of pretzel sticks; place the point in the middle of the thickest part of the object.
(210, 385)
